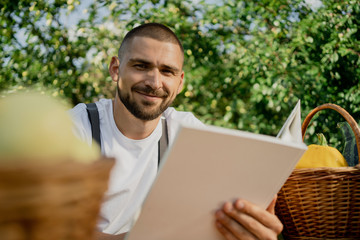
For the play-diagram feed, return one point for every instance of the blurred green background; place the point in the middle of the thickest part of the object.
(247, 62)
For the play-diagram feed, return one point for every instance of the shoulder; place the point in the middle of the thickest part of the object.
(81, 124)
(79, 111)
(104, 106)
(174, 118)
(80, 117)
(183, 117)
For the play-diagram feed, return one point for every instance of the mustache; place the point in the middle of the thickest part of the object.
(161, 93)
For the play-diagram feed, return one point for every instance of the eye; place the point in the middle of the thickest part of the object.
(168, 72)
(140, 66)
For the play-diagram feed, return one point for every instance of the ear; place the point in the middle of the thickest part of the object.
(181, 85)
(114, 69)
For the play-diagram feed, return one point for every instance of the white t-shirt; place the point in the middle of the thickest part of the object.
(135, 166)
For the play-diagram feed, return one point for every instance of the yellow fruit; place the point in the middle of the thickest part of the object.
(36, 127)
(321, 156)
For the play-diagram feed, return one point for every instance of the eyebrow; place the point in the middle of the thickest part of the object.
(143, 61)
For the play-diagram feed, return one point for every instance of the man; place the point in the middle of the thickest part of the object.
(148, 73)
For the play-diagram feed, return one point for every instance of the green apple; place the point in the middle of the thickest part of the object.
(37, 127)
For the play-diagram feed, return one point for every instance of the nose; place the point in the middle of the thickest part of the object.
(154, 79)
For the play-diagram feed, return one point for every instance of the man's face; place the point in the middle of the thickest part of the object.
(150, 76)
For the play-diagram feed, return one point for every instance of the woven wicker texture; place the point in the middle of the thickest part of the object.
(52, 201)
(322, 203)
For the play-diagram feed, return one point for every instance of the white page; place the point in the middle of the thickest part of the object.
(205, 167)
(291, 130)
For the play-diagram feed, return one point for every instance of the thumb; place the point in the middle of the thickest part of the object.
(271, 207)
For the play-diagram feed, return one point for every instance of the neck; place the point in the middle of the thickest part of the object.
(129, 125)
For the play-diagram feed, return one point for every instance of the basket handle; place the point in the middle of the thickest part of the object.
(354, 126)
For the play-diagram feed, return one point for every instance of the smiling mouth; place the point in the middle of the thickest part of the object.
(150, 93)
(149, 96)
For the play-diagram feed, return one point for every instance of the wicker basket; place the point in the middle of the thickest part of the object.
(322, 203)
(53, 201)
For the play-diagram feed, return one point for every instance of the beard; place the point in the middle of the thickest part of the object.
(144, 109)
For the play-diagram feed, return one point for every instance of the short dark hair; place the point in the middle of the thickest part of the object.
(156, 31)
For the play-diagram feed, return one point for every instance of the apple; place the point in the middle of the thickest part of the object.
(37, 127)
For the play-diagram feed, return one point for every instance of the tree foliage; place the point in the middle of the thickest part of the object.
(247, 62)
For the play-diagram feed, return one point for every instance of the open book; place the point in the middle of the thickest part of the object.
(207, 166)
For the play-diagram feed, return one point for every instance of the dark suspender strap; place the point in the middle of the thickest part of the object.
(93, 114)
(164, 140)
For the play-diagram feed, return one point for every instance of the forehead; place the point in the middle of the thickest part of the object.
(155, 51)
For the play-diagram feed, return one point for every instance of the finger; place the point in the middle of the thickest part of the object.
(230, 228)
(226, 233)
(271, 207)
(267, 219)
(251, 224)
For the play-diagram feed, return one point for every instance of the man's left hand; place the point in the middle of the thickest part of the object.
(244, 220)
